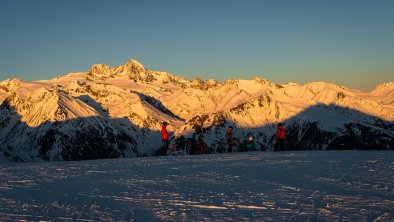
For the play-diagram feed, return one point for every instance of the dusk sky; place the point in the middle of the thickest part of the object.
(350, 43)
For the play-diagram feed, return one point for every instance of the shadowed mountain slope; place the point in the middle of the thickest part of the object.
(117, 112)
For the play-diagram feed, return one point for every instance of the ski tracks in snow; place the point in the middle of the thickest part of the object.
(255, 186)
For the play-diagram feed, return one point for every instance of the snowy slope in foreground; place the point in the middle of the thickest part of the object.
(257, 186)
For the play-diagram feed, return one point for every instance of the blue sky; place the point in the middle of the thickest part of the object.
(350, 43)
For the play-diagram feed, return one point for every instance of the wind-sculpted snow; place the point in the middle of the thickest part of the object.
(255, 186)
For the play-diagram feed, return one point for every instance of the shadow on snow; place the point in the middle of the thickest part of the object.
(98, 137)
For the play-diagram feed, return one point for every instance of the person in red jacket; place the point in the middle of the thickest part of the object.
(164, 135)
(280, 138)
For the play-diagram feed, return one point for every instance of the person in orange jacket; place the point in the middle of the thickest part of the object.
(280, 138)
(164, 135)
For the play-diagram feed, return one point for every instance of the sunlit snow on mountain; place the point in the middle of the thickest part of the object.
(117, 112)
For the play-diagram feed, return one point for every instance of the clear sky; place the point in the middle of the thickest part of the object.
(348, 42)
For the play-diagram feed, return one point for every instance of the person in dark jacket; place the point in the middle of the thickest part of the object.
(202, 147)
(280, 138)
(230, 139)
(164, 135)
(192, 145)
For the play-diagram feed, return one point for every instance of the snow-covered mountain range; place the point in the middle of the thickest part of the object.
(117, 112)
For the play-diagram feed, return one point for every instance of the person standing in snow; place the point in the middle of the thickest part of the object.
(280, 138)
(230, 139)
(250, 144)
(202, 147)
(164, 135)
(193, 146)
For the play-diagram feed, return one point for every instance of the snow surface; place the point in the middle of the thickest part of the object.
(255, 186)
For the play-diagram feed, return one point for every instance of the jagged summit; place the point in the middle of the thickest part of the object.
(262, 81)
(134, 63)
(99, 70)
(9, 85)
(133, 69)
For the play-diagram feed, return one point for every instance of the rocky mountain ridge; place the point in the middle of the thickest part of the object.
(117, 112)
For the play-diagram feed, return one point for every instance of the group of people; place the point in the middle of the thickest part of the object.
(280, 137)
(248, 146)
(202, 147)
(199, 148)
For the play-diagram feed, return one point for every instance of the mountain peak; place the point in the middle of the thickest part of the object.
(197, 81)
(99, 70)
(386, 86)
(212, 82)
(132, 69)
(134, 63)
(9, 84)
(262, 81)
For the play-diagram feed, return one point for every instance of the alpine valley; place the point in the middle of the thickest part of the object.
(117, 112)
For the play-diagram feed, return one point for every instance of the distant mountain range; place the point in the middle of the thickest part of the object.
(117, 112)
